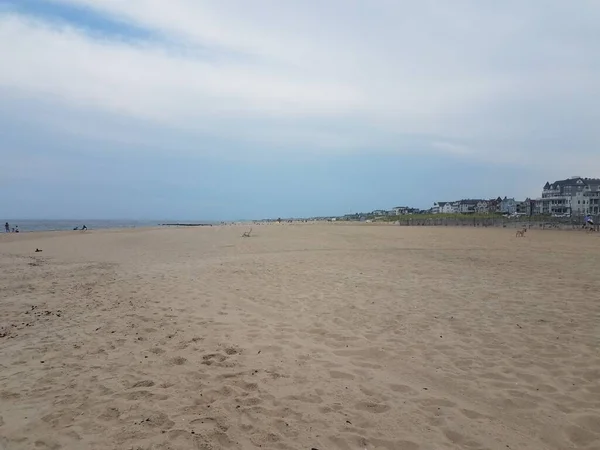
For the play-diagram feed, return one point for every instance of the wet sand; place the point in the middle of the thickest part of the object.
(300, 337)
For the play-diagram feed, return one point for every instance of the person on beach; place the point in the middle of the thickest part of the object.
(589, 222)
(7, 227)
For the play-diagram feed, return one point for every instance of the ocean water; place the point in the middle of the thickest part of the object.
(63, 225)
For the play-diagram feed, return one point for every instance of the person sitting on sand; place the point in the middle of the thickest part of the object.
(83, 228)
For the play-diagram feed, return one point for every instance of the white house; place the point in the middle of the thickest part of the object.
(443, 208)
(508, 206)
(482, 206)
(449, 208)
(575, 195)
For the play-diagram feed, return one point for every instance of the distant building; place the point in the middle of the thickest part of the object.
(379, 212)
(482, 207)
(526, 207)
(508, 206)
(402, 210)
(470, 206)
(444, 208)
(574, 196)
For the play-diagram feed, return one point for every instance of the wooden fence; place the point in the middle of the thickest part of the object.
(530, 222)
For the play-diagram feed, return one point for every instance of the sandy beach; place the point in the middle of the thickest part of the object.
(312, 336)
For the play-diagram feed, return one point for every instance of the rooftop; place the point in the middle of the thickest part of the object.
(573, 181)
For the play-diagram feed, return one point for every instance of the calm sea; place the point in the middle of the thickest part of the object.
(61, 225)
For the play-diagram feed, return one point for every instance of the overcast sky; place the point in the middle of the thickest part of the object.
(231, 109)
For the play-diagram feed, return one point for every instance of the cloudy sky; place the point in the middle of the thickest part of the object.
(231, 109)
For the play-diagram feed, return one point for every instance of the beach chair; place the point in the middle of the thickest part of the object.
(247, 233)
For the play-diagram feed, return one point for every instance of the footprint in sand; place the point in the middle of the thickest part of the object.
(341, 375)
(372, 407)
(143, 383)
(178, 361)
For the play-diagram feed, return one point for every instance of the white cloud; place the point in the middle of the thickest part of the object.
(271, 71)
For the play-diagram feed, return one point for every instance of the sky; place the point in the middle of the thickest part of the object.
(231, 109)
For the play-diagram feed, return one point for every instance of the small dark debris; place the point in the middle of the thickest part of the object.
(146, 356)
(425, 389)
(97, 328)
(440, 336)
(259, 352)
(193, 432)
(519, 326)
(163, 431)
(42, 362)
(347, 421)
(237, 406)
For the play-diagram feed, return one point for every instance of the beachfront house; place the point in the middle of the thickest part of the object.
(380, 213)
(572, 196)
(444, 208)
(402, 210)
(526, 207)
(449, 208)
(468, 206)
(508, 206)
(482, 206)
(437, 207)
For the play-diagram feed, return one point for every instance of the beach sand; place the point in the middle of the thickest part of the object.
(313, 336)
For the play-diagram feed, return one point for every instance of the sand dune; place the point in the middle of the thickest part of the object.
(300, 337)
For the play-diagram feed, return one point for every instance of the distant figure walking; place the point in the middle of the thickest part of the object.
(17, 229)
(83, 228)
(7, 227)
